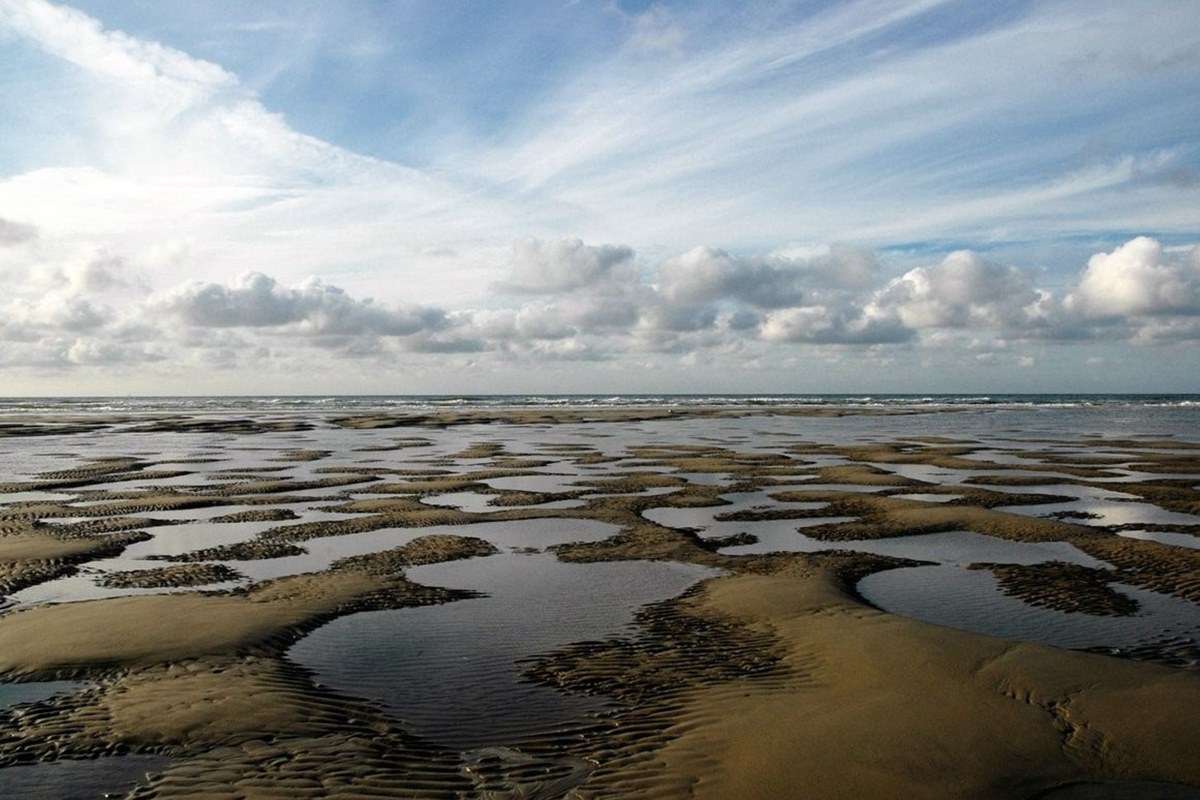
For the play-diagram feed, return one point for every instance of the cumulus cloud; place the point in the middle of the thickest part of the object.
(29, 319)
(963, 290)
(1168, 329)
(677, 318)
(99, 274)
(74, 314)
(782, 279)
(446, 344)
(255, 300)
(15, 232)
(703, 275)
(1138, 278)
(48, 300)
(552, 267)
(99, 352)
(707, 297)
(599, 302)
(837, 266)
(533, 322)
(825, 325)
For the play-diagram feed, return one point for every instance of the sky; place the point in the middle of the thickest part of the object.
(598, 196)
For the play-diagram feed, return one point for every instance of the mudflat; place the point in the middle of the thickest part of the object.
(712, 602)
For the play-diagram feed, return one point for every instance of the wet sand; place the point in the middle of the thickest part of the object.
(771, 676)
(878, 706)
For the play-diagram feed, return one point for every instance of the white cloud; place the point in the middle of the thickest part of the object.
(601, 302)
(656, 29)
(702, 275)
(824, 325)
(1138, 278)
(551, 267)
(963, 290)
(51, 299)
(786, 277)
(78, 309)
(72, 314)
(96, 352)
(13, 233)
(312, 308)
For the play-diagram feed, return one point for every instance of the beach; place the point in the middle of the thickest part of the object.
(719, 597)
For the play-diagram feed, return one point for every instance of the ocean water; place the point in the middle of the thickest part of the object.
(338, 403)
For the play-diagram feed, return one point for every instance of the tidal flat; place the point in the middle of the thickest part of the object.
(658, 601)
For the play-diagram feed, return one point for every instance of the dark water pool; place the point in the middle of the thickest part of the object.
(451, 672)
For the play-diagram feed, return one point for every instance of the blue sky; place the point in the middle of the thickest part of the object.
(423, 184)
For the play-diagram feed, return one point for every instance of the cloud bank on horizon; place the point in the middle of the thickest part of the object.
(861, 196)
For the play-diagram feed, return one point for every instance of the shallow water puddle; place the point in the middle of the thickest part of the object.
(704, 478)
(32, 497)
(79, 780)
(166, 540)
(1189, 540)
(452, 672)
(476, 503)
(971, 600)
(1100, 512)
(548, 484)
(1069, 489)
(953, 547)
(649, 491)
(177, 539)
(929, 473)
(928, 497)
(12, 694)
(83, 586)
(506, 535)
(853, 488)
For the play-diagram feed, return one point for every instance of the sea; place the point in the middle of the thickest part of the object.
(424, 402)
